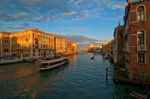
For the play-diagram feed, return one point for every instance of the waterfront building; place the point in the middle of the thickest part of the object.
(31, 43)
(5, 44)
(118, 53)
(136, 39)
(60, 45)
(71, 48)
(52, 44)
(107, 49)
(94, 47)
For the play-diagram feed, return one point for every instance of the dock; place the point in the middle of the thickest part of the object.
(4, 62)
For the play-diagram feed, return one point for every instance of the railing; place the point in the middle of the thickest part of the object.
(141, 48)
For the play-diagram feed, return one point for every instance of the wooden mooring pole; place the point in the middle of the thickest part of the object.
(106, 73)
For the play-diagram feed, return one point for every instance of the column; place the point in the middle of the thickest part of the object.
(31, 44)
(1, 46)
(10, 45)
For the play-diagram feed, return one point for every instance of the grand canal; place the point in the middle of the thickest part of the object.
(81, 79)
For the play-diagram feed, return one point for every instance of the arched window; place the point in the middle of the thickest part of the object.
(140, 13)
(141, 38)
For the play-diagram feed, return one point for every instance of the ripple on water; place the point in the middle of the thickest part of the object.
(81, 79)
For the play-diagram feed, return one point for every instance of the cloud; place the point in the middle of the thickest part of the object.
(49, 10)
(70, 13)
(32, 1)
(112, 4)
(20, 15)
(13, 27)
(78, 38)
(76, 29)
(31, 9)
(113, 18)
(3, 16)
(116, 5)
(38, 11)
(77, 2)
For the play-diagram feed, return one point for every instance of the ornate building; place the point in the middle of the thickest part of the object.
(60, 45)
(52, 40)
(30, 43)
(5, 44)
(136, 36)
(71, 48)
(94, 47)
(118, 53)
(107, 49)
(33, 44)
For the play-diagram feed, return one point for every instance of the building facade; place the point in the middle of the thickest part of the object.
(71, 48)
(51, 43)
(60, 45)
(107, 49)
(94, 47)
(118, 53)
(136, 38)
(30, 43)
(5, 44)
(33, 44)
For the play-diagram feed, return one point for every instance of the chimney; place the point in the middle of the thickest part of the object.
(129, 1)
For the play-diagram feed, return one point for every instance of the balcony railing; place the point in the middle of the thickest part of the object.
(141, 48)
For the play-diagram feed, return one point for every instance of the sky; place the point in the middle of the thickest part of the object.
(91, 18)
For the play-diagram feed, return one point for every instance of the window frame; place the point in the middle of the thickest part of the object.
(145, 41)
(144, 37)
(138, 14)
(138, 58)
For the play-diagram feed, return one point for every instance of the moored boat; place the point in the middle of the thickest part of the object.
(50, 64)
(92, 58)
(138, 95)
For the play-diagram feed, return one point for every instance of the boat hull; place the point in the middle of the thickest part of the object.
(54, 66)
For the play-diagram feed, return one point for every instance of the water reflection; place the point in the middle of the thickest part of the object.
(73, 57)
(81, 79)
(73, 62)
(22, 72)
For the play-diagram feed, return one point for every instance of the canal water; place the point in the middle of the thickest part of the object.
(83, 78)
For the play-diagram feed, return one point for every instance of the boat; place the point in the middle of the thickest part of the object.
(92, 58)
(138, 95)
(106, 56)
(50, 64)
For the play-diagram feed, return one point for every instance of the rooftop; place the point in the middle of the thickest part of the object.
(139, 1)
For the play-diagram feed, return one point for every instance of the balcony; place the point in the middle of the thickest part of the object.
(141, 48)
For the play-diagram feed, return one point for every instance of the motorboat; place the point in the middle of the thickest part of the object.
(50, 64)
(92, 58)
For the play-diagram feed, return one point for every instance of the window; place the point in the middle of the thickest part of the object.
(27, 39)
(140, 13)
(33, 35)
(141, 58)
(5, 50)
(141, 38)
